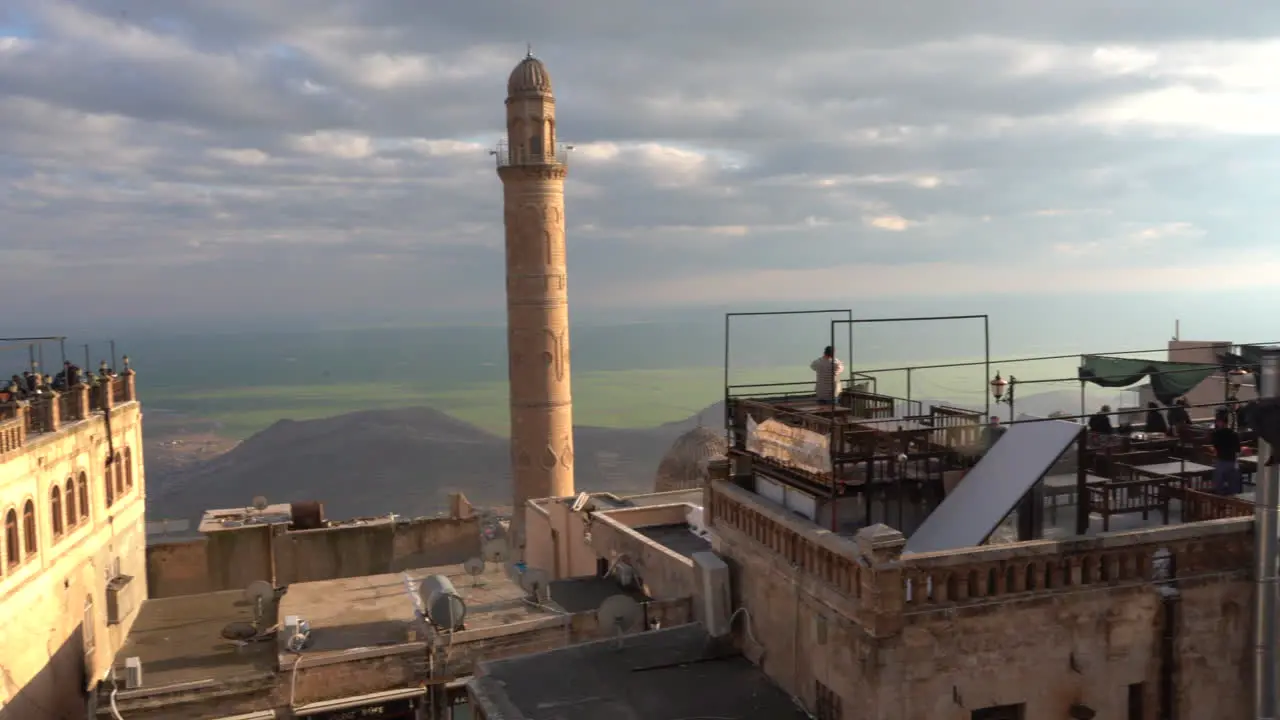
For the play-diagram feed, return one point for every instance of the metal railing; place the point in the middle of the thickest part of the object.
(506, 155)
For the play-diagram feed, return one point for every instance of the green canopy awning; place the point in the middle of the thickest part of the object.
(1169, 380)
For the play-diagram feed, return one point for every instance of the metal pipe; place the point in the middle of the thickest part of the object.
(1266, 511)
(986, 358)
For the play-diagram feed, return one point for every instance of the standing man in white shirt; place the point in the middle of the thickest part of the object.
(827, 370)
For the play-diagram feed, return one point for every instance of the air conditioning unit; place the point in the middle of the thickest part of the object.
(119, 599)
(712, 601)
(128, 677)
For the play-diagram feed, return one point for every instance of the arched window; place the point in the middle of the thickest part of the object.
(12, 551)
(118, 467)
(84, 496)
(109, 487)
(128, 468)
(55, 510)
(29, 527)
(69, 496)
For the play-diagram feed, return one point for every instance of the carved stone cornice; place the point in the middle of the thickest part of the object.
(548, 171)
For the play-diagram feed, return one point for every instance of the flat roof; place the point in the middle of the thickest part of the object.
(179, 640)
(586, 594)
(377, 610)
(233, 518)
(673, 673)
(677, 537)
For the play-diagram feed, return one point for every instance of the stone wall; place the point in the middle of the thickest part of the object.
(665, 574)
(231, 559)
(1045, 624)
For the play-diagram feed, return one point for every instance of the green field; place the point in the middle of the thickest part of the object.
(616, 398)
(605, 398)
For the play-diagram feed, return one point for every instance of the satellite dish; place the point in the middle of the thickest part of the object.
(259, 503)
(537, 583)
(620, 613)
(259, 593)
(475, 568)
(495, 550)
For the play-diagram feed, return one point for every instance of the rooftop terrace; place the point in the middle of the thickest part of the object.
(25, 421)
(674, 673)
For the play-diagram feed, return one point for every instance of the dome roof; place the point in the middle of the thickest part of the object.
(685, 464)
(529, 78)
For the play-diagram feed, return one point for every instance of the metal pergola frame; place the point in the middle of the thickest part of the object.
(986, 341)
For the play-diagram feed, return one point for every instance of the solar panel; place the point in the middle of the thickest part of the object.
(994, 486)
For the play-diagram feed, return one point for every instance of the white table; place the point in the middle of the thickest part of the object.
(1175, 468)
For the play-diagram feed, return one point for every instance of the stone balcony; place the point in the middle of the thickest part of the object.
(23, 421)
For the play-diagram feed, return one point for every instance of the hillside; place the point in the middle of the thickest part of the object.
(405, 461)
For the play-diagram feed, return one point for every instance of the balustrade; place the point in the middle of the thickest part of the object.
(966, 578)
(840, 572)
(49, 412)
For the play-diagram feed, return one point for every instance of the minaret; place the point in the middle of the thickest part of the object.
(532, 167)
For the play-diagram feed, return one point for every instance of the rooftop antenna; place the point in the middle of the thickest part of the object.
(1177, 330)
(259, 592)
(529, 51)
(537, 583)
(620, 613)
(494, 550)
(259, 503)
(475, 568)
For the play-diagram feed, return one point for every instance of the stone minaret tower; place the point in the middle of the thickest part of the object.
(532, 167)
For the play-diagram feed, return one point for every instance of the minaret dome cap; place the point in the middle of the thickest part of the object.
(529, 78)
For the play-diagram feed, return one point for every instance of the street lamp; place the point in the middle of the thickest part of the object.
(1235, 377)
(1003, 391)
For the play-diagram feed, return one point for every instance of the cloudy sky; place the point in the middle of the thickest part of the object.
(227, 158)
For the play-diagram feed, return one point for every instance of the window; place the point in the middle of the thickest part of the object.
(128, 469)
(86, 624)
(829, 706)
(55, 510)
(11, 548)
(1001, 712)
(70, 498)
(111, 490)
(29, 528)
(118, 469)
(84, 496)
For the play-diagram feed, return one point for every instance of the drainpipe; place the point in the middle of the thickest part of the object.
(1266, 511)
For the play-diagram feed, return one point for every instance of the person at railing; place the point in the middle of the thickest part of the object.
(1155, 420)
(827, 369)
(1100, 422)
(30, 381)
(992, 433)
(1226, 447)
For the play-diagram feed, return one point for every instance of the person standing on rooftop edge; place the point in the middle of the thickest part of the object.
(827, 370)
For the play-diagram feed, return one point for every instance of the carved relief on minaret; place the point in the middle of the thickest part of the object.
(566, 455)
(556, 357)
(549, 459)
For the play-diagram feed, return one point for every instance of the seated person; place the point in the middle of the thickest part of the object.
(1155, 419)
(827, 369)
(1100, 422)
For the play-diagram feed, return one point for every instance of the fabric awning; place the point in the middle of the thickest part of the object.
(1169, 380)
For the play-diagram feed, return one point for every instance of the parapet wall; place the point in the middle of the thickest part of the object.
(231, 559)
(1043, 624)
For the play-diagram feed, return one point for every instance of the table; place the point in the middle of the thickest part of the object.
(1064, 486)
(1194, 473)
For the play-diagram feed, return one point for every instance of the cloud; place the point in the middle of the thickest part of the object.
(184, 158)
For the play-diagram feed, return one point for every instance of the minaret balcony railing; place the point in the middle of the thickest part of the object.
(508, 156)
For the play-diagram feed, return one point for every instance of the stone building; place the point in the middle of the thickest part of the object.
(72, 555)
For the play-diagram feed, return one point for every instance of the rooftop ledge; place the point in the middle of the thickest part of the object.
(22, 422)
